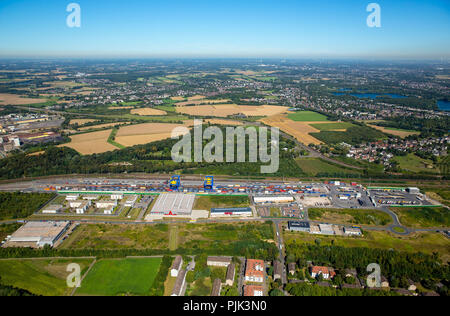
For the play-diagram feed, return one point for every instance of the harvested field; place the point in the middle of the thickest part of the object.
(148, 112)
(202, 101)
(101, 126)
(120, 107)
(224, 122)
(225, 110)
(394, 132)
(91, 143)
(146, 133)
(299, 130)
(15, 99)
(81, 121)
(177, 98)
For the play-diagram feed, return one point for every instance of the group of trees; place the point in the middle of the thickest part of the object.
(395, 265)
(20, 205)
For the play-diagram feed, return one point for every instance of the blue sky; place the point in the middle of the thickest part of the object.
(228, 28)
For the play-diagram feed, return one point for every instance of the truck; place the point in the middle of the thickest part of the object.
(208, 184)
(175, 183)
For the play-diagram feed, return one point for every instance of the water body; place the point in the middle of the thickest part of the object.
(372, 96)
(444, 105)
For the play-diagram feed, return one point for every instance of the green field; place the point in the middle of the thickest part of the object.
(414, 163)
(332, 126)
(208, 202)
(103, 236)
(307, 116)
(350, 216)
(317, 166)
(426, 242)
(121, 277)
(354, 135)
(423, 217)
(41, 277)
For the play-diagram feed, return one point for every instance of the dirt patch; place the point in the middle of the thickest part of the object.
(401, 134)
(148, 112)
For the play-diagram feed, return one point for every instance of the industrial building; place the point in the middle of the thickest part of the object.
(216, 288)
(37, 234)
(218, 261)
(225, 212)
(299, 226)
(273, 199)
(174, 204)
(176, 266)
(52, 209)
(106, 204)
(180, 284)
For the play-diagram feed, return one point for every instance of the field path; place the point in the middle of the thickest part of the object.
(82, 278)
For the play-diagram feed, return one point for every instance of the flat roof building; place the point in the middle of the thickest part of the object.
(225, 212)
(52, 209)
(176, 204)
(299, 226)
(216, 288)
(38, 234)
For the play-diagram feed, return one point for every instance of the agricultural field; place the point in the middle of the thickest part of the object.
(148, 112)
(81, 121)
(103, 236)
(225, 110)
(426, 242)
(101, 126)
(121, 277)
(40, 276)
(307, 116)
(298, 129)
(200, 100)
(317, 166)
(208, 202)
(413, 163)
(350, 216)
(395, 131)
(91, 143)
(146, 133)
(353, 135)
(15, 99)
(336, 127)
(223, 122)
(423, 217)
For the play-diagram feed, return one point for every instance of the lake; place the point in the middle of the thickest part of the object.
(444, 105)
(372, 95)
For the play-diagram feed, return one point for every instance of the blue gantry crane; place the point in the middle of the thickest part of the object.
(209, 183)
(175, 183)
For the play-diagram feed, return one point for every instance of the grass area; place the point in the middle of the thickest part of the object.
(441, 195)
(41, 277)
(350, 216)
(208, 202)
(173, 237)
(307, 116)
(121, 277)
(354, 135)
(112, 138)
(415, 164)
(332, 126)
(104, 236)
(426, 242)
(318, 167)
(423, 217)
(232, 239)
(201, 287)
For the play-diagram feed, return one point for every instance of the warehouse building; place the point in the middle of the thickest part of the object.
(52, 209)
(225, 212)
(273, 199)
(106, 204)
(174, 204)
(38, 234)
(299, 226)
